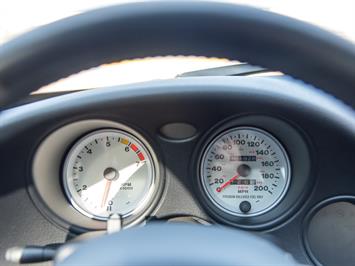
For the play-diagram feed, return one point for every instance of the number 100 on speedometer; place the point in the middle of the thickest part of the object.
(245, 171)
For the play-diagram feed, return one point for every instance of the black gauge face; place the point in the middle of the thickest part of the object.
(245, 171)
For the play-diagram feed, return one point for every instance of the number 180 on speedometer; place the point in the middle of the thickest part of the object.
(245, 171)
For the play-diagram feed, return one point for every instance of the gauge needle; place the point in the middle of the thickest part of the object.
(106, 191)
(122, 177)
(219, 189)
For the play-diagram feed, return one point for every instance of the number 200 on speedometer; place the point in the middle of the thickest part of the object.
(245, 171)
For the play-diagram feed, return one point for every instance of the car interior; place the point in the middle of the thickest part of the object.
(252, 163)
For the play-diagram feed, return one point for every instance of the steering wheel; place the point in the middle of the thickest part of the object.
(178, 28)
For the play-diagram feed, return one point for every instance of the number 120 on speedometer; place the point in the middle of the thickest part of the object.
(245, 171)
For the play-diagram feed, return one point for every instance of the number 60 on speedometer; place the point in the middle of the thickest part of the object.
(245, 171)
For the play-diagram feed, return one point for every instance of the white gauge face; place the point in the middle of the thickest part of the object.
(245, 171)
(109, 171)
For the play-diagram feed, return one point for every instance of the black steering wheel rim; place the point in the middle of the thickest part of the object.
(176, 244)
(177, 28)
(139, 30)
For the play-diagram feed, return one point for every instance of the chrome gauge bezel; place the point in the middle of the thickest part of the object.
(73, 198)
(301, 181)
(215, 138)
(47, 168)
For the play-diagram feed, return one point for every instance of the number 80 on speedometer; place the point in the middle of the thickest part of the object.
(245, 171)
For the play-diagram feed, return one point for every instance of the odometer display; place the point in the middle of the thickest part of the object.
(245, 171)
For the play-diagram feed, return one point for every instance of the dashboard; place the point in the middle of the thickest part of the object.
(260, 154)
(242, 174)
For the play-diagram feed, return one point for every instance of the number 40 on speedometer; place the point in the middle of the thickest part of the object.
(245, 171)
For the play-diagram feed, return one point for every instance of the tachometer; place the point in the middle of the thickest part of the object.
(109, 171)
(245, 171)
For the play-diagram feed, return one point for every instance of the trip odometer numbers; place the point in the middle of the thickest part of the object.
(245, 171)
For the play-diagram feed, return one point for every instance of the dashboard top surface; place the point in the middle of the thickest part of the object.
(314, 128)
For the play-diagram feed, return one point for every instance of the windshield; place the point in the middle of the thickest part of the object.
(17, 16)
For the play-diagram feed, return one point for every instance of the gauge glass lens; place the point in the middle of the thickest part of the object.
(109, 171)
(245, 171)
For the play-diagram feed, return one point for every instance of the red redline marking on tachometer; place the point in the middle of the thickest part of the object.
(134, 147)
(219, 189)
(141, 156)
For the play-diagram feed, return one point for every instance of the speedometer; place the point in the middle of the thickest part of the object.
(108, 172)
(245, 171)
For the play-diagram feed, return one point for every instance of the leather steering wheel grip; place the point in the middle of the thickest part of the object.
(146, 29)
(164, 244)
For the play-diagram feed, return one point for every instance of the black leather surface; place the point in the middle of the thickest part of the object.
(149, 29)
(177, 28)
(179, 244)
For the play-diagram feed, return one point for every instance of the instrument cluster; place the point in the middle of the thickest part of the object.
(247, 172)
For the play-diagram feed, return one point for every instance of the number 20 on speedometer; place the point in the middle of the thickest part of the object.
(245, 171)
